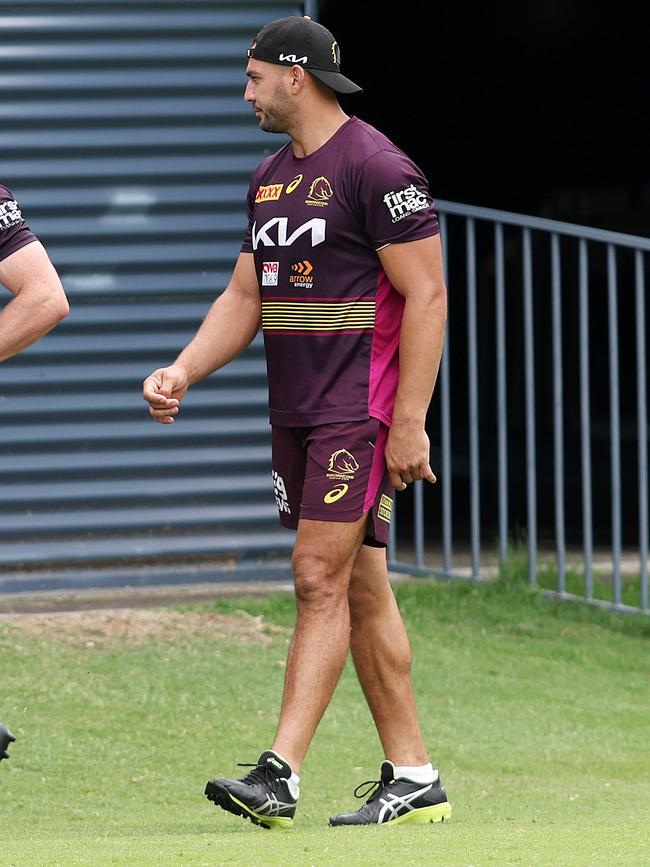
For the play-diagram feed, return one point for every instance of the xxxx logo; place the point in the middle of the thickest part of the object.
(270, 193)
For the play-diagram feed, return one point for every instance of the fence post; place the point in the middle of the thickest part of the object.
(472, 349)
(531, 479)
(558, 414)
(585, 419)
(502, 406)
(615, 425)
(642, 424)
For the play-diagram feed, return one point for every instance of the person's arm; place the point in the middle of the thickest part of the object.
(415, 270)
(232, 322)
(39, 301)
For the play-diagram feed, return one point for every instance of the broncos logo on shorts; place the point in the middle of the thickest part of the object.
(342, 465)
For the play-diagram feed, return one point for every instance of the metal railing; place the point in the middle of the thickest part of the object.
(546, 319)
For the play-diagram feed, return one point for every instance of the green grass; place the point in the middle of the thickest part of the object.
(537, 714)
(515, 570)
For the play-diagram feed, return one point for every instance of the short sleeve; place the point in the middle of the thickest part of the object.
(394, 200)
(247, 243)
(14, 231)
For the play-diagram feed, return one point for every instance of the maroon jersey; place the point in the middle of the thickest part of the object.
(14, 231)
(331, 318)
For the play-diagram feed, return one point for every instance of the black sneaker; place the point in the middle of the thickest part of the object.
(6, 738)
(397, 801)
(264, 795)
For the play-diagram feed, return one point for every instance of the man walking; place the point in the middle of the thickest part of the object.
(341, 265)
(39, 303)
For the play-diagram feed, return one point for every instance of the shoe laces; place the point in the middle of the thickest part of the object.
(260, 774)
(375, 789)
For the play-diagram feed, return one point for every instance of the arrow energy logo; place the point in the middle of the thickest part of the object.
(302, 274)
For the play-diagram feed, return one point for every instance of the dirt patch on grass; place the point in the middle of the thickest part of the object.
(132, 626)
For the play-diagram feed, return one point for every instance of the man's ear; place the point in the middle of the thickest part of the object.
(297, 78)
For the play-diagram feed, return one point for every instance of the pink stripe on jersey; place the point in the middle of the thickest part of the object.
(377, 469)
(384, 358)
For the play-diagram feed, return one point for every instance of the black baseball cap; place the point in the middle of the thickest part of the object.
(303, 42)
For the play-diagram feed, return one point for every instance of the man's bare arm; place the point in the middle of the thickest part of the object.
(232, 322)
(415, 270)
(39, 301)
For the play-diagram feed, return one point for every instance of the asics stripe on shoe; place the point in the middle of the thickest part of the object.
(397, 802)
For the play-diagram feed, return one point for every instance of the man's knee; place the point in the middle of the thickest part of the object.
(367, 598)
(318, 581)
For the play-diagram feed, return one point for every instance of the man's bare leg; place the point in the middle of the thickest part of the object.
(322, 562)
(382, 657)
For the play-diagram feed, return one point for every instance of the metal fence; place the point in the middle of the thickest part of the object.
(546, 343)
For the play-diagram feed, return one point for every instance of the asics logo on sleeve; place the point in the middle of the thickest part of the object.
(274, 232)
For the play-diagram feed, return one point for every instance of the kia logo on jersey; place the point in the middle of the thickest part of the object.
(274, 232)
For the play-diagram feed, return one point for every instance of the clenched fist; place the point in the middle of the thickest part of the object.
(164, 390)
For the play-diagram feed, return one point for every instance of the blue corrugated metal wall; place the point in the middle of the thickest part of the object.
(125, 137)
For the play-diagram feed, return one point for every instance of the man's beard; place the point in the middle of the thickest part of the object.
(279, 117)
(272, 124)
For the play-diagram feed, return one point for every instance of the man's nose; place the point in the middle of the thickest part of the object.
(248, 93)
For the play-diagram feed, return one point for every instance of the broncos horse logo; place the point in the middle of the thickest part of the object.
(320, 192)
(342, 462)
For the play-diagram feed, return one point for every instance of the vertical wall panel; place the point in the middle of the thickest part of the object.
(126, 139)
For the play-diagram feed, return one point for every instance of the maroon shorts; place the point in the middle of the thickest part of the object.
(333, 472)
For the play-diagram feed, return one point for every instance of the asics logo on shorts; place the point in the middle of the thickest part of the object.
(336, 493)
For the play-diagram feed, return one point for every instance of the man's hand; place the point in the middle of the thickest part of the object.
(163, 390)
(407, 454)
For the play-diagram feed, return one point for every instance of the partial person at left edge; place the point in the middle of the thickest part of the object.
(39, 301)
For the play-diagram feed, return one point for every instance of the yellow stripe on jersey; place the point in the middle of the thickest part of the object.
(318, 315)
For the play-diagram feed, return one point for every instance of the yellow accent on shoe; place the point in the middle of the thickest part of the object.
(437, 813)
(274, 823)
